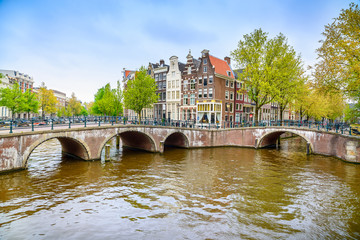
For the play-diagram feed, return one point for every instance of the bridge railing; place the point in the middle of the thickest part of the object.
(51, 123)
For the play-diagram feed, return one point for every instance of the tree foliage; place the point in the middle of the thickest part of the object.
(108, 101)
(338, 68)
(47, 100)
(74, 105)
(140, 92)
(12, 98)
(270, 68)
(31, 104)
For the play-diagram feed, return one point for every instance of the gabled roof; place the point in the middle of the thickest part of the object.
(221, 66)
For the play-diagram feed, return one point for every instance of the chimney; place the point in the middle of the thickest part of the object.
(162, 62)
(227, 59)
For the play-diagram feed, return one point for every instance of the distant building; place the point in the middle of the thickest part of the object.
(25, 82)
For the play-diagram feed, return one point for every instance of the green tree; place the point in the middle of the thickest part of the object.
(12, 98)
(31, 104)
(84, 112)
(269, 68)
(108, 101)
(140, 92)
(338, 68)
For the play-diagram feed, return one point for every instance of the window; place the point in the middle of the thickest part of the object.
(237, 96)
(231, 107)
(237, 84)
(156, 77)
(160, 77)
(241, 96)
(177, 94)
(237, 106)
(173, 83)
(226, 83)
(173, 95)
(164, 96)
(173, 73)
(200, 93)
(228, 73)
(205, 92)
(169, 84)
(164, 76)
(205, 81)
(226, 94)
(232, 84)
(186, 100)
(192, 86)
(189, 69)
(205, 69)
(177, 83)
(192, 99)
(231, 96)
(169, 95)
(200, 80)
(205, 61)
(185, 85)
(211, 79)
(210, 92)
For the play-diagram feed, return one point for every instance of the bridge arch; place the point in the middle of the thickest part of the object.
(70, 146)
(177, 139)
(134, 139)
(270, 138)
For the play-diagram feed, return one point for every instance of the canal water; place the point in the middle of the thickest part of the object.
(212, 193)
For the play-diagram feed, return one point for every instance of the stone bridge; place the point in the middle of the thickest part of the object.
(87, 143)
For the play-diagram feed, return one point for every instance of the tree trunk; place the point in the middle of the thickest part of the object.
(255, 117)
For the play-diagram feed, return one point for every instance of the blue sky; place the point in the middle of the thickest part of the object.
(80, 45)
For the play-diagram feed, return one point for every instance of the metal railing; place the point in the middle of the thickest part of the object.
(38, 124)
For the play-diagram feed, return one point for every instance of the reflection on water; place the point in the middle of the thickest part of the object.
(212, 193)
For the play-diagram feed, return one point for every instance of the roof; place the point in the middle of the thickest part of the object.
(237, 72)
(196, 63)
(221, 66)
(181, 66)
(127, 72)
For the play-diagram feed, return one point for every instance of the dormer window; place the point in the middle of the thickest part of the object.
(228, 73)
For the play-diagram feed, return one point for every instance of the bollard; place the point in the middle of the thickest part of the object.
(107, 152)
(52, 124)
(11, 128)
(85, 122)
(69, 123)
(32, 124)
(117, 142)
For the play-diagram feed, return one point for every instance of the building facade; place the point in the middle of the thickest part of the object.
(159, 72)
(173, 88)
(25, 82)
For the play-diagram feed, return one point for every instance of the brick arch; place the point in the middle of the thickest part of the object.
(177, 139)
(270, 138)
(134, 139)
(71, 146)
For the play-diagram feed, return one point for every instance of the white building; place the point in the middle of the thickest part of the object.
(173, 88)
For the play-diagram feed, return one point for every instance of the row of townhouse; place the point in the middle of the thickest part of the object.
(203, 90)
